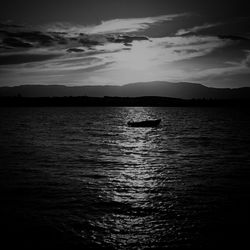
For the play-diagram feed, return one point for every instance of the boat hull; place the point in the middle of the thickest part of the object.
(147, 123)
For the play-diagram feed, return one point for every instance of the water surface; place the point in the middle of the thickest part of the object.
(83, 173)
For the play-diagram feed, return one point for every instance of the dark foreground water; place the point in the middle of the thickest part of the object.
(79, 177)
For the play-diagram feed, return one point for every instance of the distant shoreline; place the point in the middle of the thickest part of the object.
(147, 101)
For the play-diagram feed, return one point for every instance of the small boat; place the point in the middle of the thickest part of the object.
(146, 123)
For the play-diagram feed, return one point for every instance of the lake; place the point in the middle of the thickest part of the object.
(80, 177)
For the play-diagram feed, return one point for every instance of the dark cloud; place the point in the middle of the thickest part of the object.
(95, 40)
(36, 36)
(19, 37)
(2, 47)
(128, 44)
(234, 38)
(24, 58)
(9, 25)
(27, 38)
(16, 42)
(75, 50)
(126, 39)
(88, 42)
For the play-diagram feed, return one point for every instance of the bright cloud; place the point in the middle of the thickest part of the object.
(195, 29)
(114, 26)
(131, 24)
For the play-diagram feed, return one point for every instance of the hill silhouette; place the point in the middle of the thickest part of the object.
(183, 90)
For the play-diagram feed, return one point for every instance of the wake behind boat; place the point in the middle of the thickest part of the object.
(146, 123)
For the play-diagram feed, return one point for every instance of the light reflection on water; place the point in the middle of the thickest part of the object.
(133, 183)
(122, 187)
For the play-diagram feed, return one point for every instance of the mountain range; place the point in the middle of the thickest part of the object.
(182, 90)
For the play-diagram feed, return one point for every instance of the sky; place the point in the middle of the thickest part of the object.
(115, 42)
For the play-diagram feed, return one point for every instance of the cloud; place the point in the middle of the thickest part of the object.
(153, 60)
(130, 24)
(25, 39)
(195, 29)
(229, 73)
(234, 38)
(126, 39)
(9, 24)
(113, 26)
(24, 58)
(187, 47)
(109, 53)
(75, 50)
(22, 46)
(28, 39)
(16, 43)
(31, 55)
(113, 56)
(246, 61)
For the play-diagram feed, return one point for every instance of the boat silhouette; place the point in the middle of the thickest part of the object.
(146, 123)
